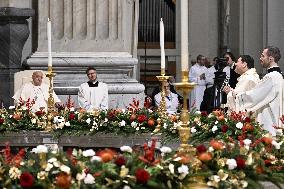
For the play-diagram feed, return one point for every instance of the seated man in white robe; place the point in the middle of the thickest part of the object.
(35, 90)
(266, 98)
(93, 94)
(248, 79)
(170, 98)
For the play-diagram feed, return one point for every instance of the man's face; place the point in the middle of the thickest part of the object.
(264, 59)
(230, 61)
(167, 88)
(92, 75)
(240, 65)
(37, 78)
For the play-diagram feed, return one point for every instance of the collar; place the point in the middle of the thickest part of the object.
(275, 69)
(93, 83)
(251, 71)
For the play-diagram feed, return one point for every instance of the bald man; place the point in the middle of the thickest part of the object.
(35, 90)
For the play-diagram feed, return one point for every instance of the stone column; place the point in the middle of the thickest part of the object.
(99, 33)
(14, 32)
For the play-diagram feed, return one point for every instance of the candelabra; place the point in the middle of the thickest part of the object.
(184, 132)
(50, 101)
(162, 109)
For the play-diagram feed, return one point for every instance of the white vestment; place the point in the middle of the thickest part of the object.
(246, 82)
(209, 76)
(171, 102)
(196, 95)
(38, 93)
(266, 100)
(91, 98)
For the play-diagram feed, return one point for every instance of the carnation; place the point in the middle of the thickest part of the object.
(239, 125)
(126, 149)
(232, 164)
(166, 149)
(89, 179)
(26, 180)
(88, 153)
(40, 149)
(142, 176)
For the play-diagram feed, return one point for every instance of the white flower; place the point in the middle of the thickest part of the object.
(65, 169)
(106, 120)
(81, 176)
(166, 149)
(89, 179)
(198, 112)
(49, 166)
(72, 109)
(96, 158)
(33, 121)
(42, 175)
(88, 153)
(40, 149)
(11, 107)
(51, 160)
(277, 144)
(279, 132)
(24, 108)
(14, 173)
(247, 142)
(122, 123)
(137, 128)
(143, 128)
(134, 124)
(150, 111)
(165, 125)
(126, 187)
(172, 168)
(183, 169)
(126, 149)
(193, 130)
(239, 125)
(211, 149)
(232, 164)
(215, 128)
(123, 110)
(216, 122)
(210, 115)
(67, 124)
(88, 121)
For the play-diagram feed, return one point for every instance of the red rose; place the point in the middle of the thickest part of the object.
(39, 113)
(26, 180)
(71, 116)
(63, 180)
(120, 161)
(247, 120)
(142, 176)
(241, 163)
(2, 120)
(204, 114)
(141, 118)
(267, 162)
(224, 128)
(201, 148)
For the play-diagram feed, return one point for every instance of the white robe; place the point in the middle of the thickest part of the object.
(39, 93)
(246, 82)
(171, 102)
(196, 95)
(209, 76)
(91, 98)
(266, 100)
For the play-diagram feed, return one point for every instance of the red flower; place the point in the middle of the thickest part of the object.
(2, 120)
(120, 161)
(201, 148)
(204, 114)
(141, 118)
(26, 180)
(63, 180)
(142, 176)
(267, 162)
(241, 163)
(247, 120)
(111, 115)
(224, 128)
(39, 113)
(71, 116)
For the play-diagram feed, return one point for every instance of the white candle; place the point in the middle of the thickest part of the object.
(49, 42)
(162, 44)
(184, 35)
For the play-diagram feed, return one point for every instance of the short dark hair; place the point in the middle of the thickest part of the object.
(199, 57)
(248, 59)
(90, 68)
(231, 55)
(274, 52)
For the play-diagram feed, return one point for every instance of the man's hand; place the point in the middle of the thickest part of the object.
(202, 76)
(227, 89)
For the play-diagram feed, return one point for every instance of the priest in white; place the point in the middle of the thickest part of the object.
(266, 98)
(93, 94)
(248, 80)
(36, 91)
(170, 98)
(197, 75)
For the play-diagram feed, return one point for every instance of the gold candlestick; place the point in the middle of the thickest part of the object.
(184, 133)
(50, 101)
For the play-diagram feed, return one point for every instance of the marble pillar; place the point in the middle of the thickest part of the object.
(14, 31)
(99, 33)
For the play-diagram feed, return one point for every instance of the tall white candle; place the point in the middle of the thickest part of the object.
(162, 44)
(184, 35)
(49, 42)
